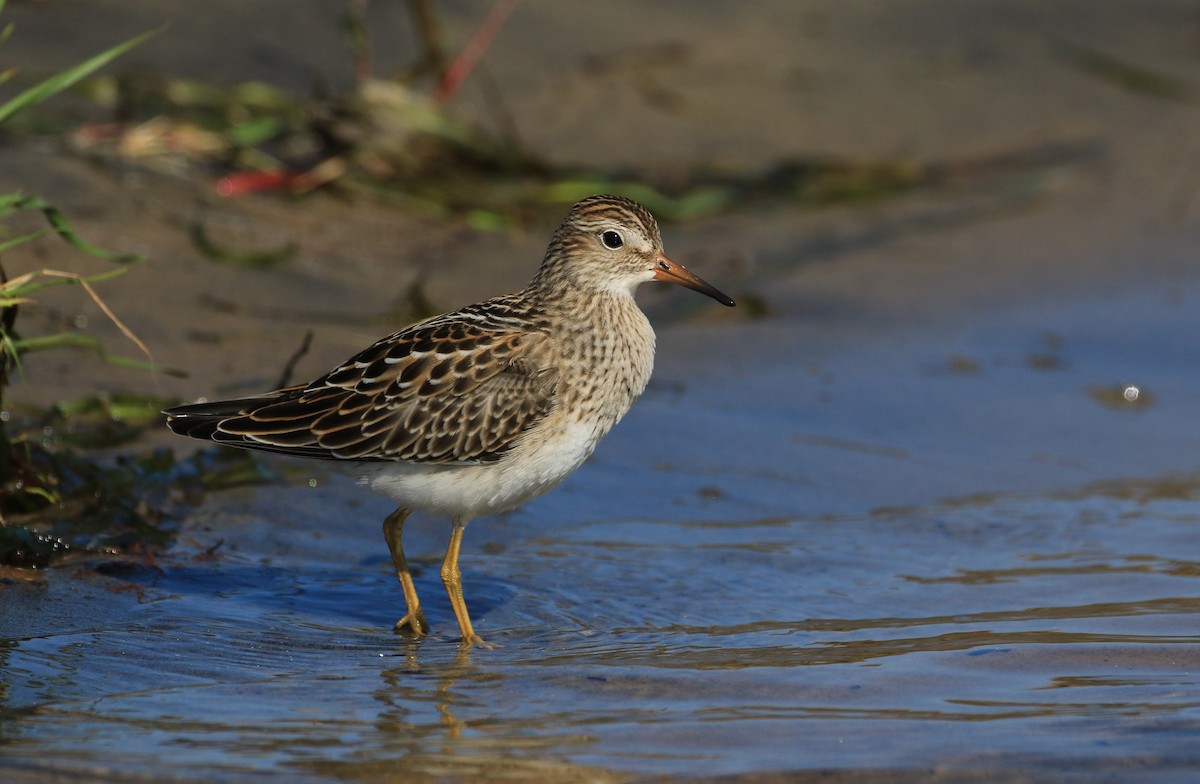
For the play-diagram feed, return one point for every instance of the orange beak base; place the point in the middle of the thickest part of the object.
(669, 271)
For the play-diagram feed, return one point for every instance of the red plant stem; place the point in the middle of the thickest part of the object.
(473, 52)
(241, 183)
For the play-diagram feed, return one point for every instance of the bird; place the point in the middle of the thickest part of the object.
(476, 411)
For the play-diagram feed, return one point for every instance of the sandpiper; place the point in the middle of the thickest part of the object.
(477, 411)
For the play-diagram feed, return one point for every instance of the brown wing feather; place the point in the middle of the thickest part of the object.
(443, 391)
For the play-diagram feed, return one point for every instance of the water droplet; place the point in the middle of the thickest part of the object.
(1131, 393)
(312, 482)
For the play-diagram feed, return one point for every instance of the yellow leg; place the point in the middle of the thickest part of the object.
(393, 528)
(452, 579)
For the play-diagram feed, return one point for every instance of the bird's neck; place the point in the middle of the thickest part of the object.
(608, 344)
(596, 324)
(560, 291)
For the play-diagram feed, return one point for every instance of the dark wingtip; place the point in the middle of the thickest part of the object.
(200, 420)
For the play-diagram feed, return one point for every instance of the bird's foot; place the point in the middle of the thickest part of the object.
(413, 622)
(475, 641)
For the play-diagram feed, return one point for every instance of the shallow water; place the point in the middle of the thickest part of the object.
(691, 603)
(1050, 632)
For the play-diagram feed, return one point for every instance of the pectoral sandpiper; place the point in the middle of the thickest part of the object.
(479, 410)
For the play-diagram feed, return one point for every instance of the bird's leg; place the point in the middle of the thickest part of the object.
(393, 528)
(452, 579)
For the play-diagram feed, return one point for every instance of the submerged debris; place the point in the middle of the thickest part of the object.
(78, 506)
(1126, 397)
(56, 502)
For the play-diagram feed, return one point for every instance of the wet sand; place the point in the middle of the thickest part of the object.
(902, 527)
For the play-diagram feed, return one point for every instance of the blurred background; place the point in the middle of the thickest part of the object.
(925, 500)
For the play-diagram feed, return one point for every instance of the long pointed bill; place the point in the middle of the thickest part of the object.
(667, 270)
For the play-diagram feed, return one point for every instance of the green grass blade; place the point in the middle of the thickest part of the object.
(10, 203)
(38, 283)
(13, 202)
(9, 351)
(61, 81)
(261, 259)
(60, 225)
(15, 241)
(75, 340)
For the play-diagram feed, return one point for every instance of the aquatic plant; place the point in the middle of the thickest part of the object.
(399, 139)
(32, 476)
(17, 291)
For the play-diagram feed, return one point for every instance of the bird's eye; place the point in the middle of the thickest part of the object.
(611, 240)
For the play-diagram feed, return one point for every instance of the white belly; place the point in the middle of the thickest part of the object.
(533, 467)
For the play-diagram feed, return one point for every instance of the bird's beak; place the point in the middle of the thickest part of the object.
(665, 269)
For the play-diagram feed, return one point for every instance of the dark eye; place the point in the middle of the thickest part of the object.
(611, 240)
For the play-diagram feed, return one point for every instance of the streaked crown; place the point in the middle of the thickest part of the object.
(606, 242)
